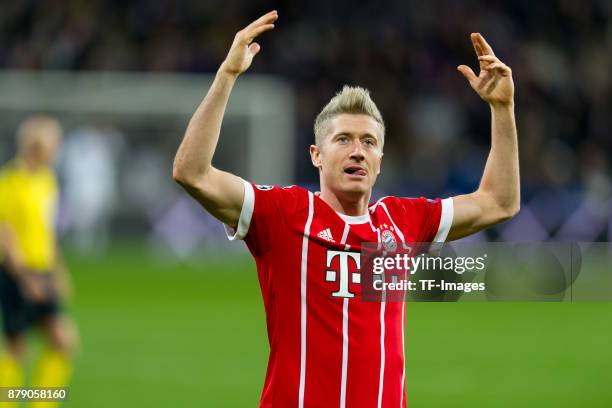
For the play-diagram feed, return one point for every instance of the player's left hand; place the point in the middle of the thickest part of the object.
(494, 82)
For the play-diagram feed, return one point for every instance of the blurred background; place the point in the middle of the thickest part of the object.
(157, 303)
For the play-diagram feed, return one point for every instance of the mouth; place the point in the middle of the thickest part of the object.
(355, 171)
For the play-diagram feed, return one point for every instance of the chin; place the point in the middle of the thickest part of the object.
(355, 188)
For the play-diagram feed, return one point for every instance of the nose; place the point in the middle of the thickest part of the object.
(357, 151)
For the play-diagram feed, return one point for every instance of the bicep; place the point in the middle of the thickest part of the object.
(472, 213)
(220, 193)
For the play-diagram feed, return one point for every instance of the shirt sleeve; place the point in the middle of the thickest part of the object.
(433, 218)
(264, 214)
(244, 222)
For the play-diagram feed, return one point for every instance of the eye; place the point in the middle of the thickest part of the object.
(342, 139)
(370, 142)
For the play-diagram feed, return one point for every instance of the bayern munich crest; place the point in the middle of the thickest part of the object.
(388, 240)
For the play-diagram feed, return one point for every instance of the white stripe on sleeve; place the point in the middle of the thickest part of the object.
(248, 205)
(446, 220)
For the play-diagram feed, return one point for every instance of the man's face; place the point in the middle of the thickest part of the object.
(45, 145)
(350, 155)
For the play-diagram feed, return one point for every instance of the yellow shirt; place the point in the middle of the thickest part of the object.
(28, 204)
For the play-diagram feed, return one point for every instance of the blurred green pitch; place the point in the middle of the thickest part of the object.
(155, 334)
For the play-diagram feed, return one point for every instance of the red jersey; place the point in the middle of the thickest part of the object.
(327, 347)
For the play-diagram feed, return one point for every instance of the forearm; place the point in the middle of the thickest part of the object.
(498, 196)
(501, 174)
(194, 156)
(10, 254)
(221, 193)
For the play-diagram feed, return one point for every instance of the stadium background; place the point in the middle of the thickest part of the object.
(170, 312)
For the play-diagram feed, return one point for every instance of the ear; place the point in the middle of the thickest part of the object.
(315, 156)
(380, 163)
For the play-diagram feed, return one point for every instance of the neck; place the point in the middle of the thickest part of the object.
(348, 204)
(30, 163)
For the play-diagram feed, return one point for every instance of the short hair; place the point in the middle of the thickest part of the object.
(353, 100)
(34, 128)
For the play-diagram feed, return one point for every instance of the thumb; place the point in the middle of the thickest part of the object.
(254, 48)
(467, 72)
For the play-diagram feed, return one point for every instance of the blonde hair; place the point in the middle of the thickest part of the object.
(36, 128)
(351, 99)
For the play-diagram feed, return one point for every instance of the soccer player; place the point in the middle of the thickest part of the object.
(33, 278)
(327, 348)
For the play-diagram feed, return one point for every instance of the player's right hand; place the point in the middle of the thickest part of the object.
(243, 48)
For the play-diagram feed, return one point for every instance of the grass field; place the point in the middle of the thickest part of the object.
(155, 334)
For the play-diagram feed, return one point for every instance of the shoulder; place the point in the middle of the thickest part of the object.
(278, 189)
(267, 206)
(7, 169)
(387, 204)
(281, 192)
(411, 206)
(8, 172)
(287, 199)
(418, 202)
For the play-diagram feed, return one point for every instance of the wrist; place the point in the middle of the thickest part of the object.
(502, 105)
(224, 73)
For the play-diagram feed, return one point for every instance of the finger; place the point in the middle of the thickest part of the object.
(267, 18)
(494, 66)
(254, 48)
(499, 67)
(476, 44)
(488, 58)
(253, 30)
(467, 72)
(257, 31)
(484, 45)
(478, 48)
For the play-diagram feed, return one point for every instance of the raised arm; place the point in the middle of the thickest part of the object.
(221, 193)
(498, 196)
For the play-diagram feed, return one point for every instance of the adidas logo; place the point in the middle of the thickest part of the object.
(326, 235)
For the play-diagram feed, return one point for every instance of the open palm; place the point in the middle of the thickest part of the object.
(494, 82)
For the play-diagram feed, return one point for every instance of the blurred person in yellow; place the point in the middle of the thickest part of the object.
(33, 278)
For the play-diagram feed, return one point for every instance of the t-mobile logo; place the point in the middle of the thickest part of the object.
(343, 264)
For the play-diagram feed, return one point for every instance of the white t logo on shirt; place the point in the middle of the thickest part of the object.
(332, 276)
